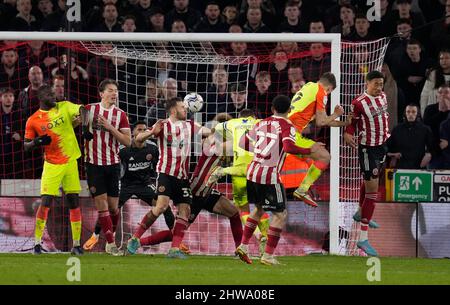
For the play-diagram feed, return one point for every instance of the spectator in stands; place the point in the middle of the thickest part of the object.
(434, 115)
(150, 99)
(235, 28)
(142, 11)
(40, 53)
(435, 79)
(7, 12)
(407, 154)
(99, 68)
(332, 14)
(28, 99)
(24, 20)
(268, 13)
(129, 24)
(158, 110)
(404, 12)
(217, 96)
(110, 22)
(11, 161)
(394, 96)
(178, 26)
(293, 23)
(211, 23)
(238, 94)
(316, 26)
(278, 70)
(317, 64)
(289, 47)
(397, 47)
(295, 76)
(230, 14)
(156, 20)
(78, 78)
(11, 73)
(45, 8)
(444, 136)
(182, 11)
(410, 71)
(260, 99)
(361, 32)
(254, 22)
(57, 20)
(378, 27)
(432, 9)
(347, 25)
(440, 33)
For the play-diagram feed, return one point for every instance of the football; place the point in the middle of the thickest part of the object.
(194, 102)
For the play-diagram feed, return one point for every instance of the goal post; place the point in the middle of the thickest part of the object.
(198, 51)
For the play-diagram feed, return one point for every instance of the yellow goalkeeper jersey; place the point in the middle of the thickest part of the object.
(233, 130)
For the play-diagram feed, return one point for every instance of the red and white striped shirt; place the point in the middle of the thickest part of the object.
(103, 149)
(268, 159)
(174, 142)
(370, 117)
(207, 161)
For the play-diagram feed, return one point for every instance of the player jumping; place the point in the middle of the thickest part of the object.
(370, 119)
(270, 140)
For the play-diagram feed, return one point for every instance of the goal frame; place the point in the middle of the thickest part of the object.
(333, 39)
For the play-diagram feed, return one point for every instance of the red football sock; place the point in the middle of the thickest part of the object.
(159, 237)
(249, 228)
(368, 207)
(236, 228)
(362, 194)
(105, 222)
(178, 232)
(115, 219)
(273, 237)
(146, 223)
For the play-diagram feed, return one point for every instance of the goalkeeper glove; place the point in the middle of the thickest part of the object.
(87, 135)
(42, 140)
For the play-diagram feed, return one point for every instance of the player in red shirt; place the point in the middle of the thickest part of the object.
(370, 120)
(269, 140)
(174, 140)
(107, 127)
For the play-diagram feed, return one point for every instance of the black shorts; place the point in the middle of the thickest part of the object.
(178, 190)
(272, 197)
(103, 179)
(371, 160)
(146, 193)
(204, 203)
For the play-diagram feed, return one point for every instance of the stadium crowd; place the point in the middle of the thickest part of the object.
(417, 64)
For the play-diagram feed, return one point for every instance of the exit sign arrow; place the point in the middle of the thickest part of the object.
(417, 183)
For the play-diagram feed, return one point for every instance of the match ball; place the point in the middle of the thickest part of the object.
(193, 102)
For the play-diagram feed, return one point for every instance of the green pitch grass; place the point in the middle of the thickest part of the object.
(144, 269)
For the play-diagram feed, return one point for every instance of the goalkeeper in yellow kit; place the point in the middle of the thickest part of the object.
(231, 132)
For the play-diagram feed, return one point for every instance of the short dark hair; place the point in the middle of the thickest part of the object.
(328, 78)
(172, 103)
(43, 91)
(139, 123)
(403, 1)
(360, 15)
(290, 3)
(373, 75)
(245, 113)
(6, 90)
(414, 41)
(281, 103)
(106, 82)
(404, 20)
(240, 87)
